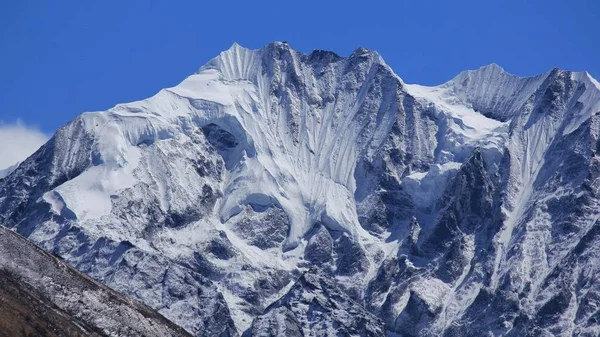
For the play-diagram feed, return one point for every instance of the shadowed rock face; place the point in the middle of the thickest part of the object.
(316, 306)
(469, 208)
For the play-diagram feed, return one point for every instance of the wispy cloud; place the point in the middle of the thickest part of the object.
(18, 141)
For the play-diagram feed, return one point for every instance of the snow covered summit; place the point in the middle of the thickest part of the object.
(425, 205)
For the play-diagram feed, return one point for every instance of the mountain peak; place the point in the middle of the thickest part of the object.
(235, 48)
(593, 80)
(493, 91)
(492, 67)
(362, 52)
(239, 62)
(235, 45)
(491, 72)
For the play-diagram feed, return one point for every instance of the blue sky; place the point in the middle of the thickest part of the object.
(61, 58)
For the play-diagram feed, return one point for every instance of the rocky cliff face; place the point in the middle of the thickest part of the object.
(275, 192)
(315, 305)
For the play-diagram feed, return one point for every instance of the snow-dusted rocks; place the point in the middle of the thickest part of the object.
(466, 208)
(43, 296)
(315, 306)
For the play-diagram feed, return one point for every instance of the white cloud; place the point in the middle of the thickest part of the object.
(18, 141)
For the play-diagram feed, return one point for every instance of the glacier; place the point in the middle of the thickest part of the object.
(274, 190)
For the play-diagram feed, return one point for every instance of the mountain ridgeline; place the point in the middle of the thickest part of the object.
(277, 193)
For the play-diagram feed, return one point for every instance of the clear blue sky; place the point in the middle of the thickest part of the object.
(61, 58)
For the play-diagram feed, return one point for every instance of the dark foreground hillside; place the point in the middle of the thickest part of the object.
(25, 313)
(42, 296)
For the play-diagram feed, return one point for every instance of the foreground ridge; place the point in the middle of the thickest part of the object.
(41, 295)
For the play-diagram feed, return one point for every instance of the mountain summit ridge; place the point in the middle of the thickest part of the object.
(424, 205)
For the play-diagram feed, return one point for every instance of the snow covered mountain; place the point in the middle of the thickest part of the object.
(279, 191)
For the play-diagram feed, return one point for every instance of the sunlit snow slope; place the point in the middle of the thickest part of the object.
(467, 208)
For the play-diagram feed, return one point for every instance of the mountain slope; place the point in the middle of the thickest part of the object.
(24, 314)
(429, 206)
(41, 296)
